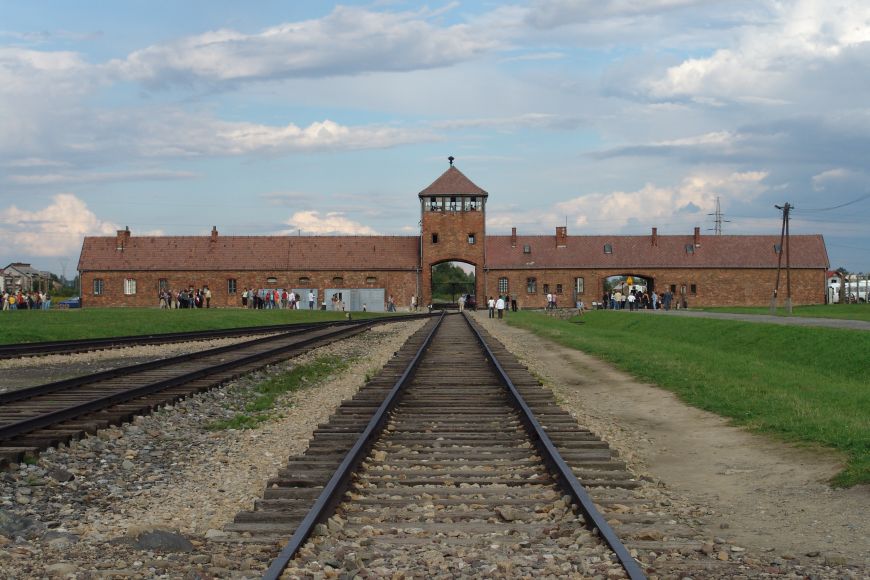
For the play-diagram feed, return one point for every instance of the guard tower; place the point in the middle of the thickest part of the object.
(453, 220)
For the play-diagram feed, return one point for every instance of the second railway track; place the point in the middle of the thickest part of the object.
(35, 418)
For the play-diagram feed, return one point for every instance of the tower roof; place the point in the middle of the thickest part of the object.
(453, 182)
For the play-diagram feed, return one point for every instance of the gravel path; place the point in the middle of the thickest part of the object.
(149, 500)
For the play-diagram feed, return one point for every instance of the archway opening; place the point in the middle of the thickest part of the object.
(452, 281)
(619, 287)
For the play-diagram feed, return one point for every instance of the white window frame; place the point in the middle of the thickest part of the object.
(129, 286)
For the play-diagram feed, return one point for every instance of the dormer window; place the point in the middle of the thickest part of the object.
(777, 248)
(527, 249)
(608, 248)
(690, 248)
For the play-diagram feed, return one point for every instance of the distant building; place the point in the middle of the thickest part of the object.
(127, 270)
(19, 276)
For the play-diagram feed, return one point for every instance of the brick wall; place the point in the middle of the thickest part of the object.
(452, 229)
(401, 284)
(713, 287)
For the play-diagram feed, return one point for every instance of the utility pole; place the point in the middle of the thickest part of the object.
(783, 248)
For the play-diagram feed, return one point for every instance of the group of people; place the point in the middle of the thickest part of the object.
(496, 306)
(26, 300)
(186, 298)
(638, 299)
(269, 299)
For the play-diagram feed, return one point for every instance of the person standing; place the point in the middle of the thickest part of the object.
(414, 303)
(499, 306)
(311, 299)
(549, 301)
(491, 306)
(461, 303)
(207, 293)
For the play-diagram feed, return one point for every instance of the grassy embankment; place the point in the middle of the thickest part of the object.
(807, 385)
(37, 325)
(841, 311)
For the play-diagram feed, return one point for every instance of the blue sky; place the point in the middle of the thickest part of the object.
(615, 117)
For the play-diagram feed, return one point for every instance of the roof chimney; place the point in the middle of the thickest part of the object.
(655, 237)
(121, 238)
(697, 237)
(214, 233)
(513, 237)
(561, 236)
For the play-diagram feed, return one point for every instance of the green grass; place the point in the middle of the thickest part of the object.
(36, 325)
(807, 385)
(261, 407)
(840, 311)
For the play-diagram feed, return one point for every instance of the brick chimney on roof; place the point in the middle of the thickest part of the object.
(121, 238)
(654, 239)
(513, 237)
(561, 236)
(214, 233)
(697, 236)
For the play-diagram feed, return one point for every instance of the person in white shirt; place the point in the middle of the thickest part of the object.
(491, 305)
(499, 306)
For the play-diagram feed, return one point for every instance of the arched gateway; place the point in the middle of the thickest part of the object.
(453, 227)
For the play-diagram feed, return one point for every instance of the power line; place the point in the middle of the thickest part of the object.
(862, 198)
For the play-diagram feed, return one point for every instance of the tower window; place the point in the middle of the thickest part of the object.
(434, 238)
(471, 238)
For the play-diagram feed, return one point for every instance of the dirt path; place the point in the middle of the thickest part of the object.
(765, 495)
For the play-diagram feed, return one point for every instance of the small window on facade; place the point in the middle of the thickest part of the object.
(673, 288)
(531, 285)
(777, 248)
(690, 248)
(546, 288)
(129, 286)
(371, 280)
(434, 238)
(304, 280)
(578, 285)
(502, 285)
(527, 249)
(558, 288)
(693, 288)
(471, 239)
(608, 248)
(98, 286)
(337, 280)
(162, 284)
(271, 280)
(231, 286)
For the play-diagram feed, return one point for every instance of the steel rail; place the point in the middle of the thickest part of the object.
(338, 483)
(24, 426)
(552, 456)
(85, 344)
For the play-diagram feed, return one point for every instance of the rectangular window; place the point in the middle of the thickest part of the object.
(129, 286)
(690, 248)
(777, 248)
(98, 286)
(693, 288)
(502, 285)
(673, 288)
(471, 239)
(578, 285)
(531, 285)
(608, 248)
(162, 285)
(434, 238)
(527, 249)
(231, 285)
(558, 288)
(546, 288)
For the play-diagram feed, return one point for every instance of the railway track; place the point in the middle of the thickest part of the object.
(30, 349)
(446, 464)
(43, 416)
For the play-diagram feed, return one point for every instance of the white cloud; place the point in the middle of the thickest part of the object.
(770, 57)
(651, 204)
(56, 230)
(823, 179)
(348, 41)
(553, 13)
(331, 223)
(99, 177)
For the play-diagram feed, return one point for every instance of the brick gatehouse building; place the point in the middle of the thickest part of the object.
(128, 270)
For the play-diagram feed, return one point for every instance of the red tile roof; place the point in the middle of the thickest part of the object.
(251, 253)
(639, 252)
(453, 182)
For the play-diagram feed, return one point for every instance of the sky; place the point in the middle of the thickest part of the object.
(318, 118)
